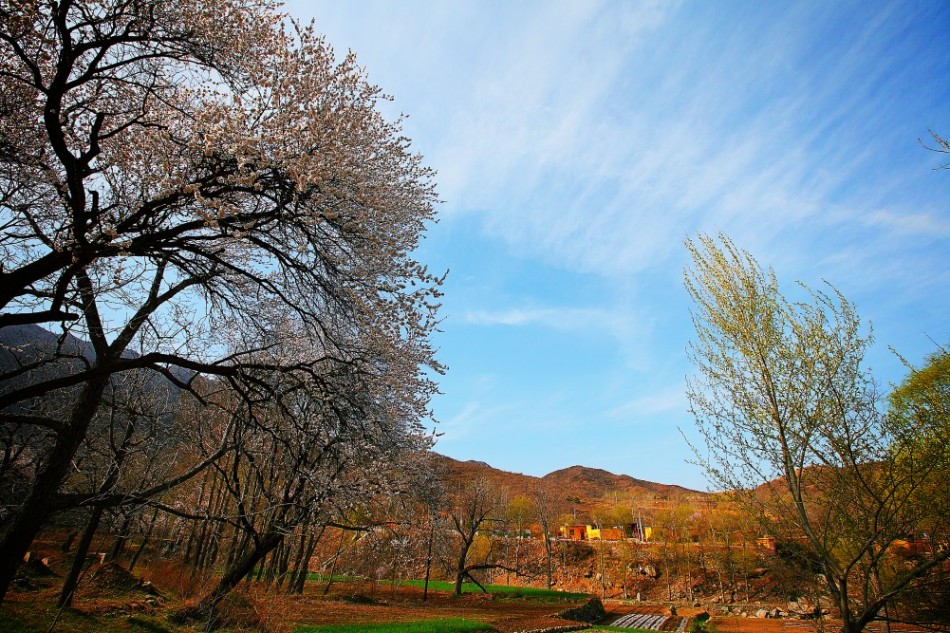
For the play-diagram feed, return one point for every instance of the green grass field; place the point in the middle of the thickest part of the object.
(504, 591)
(448, 625)
(316, 577)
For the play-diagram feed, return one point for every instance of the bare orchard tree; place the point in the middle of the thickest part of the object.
(792, 425)
(325, 441)
(169, 167)
(472, 506)
(547, 508)
(519, 514)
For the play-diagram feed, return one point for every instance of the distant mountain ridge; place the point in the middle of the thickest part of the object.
(582, 481)
(30, 354)
(586, 485)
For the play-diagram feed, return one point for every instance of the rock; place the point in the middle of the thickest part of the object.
(590, 612)
(150, 589)
(650, 571)
(803, 609)
(775, 614)
(34, 575)
(111, 578)
(761, 613)
(36, 568)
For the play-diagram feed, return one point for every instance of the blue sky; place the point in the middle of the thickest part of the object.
(579, 143)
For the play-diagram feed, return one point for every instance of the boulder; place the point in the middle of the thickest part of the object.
(590, 612)
(804, 609)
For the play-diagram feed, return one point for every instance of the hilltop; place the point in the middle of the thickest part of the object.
(589, 485)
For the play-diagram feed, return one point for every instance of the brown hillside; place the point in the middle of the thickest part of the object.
(594, 483)
(589, 485)
(515, 483)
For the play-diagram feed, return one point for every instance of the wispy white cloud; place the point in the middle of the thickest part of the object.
(913, 224)
(473, 419)
(567, 318)
(671, 399)
(577, 149)
(591, 137)
(596, 135)
(629, 329)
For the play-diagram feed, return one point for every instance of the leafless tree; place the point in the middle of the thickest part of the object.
(547, 508)
(472, 506)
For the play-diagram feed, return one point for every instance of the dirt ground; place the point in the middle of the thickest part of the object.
(113, 601)
(505, 615)
(759, 625)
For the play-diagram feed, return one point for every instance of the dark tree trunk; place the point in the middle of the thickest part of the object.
(303, 564)
(70, 539)
(425, 591)
(121, 539)
(460, 572)
(82, 550)
(243, 566)
(148, 534)
(40, 501)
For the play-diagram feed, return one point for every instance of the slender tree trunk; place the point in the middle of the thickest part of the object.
(425, 589)
(68, 543)
(549, 556)
(270, 569)
(72, 578)
(303, 567)
(148, 534)
(292, 568)
(460, 569)
(201, 542)
(193, 533)
(283, 562)
(121, 539)
(624, 564)
(336, 557)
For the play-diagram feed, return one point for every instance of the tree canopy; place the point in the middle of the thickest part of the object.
(792, 423)
(203, 191)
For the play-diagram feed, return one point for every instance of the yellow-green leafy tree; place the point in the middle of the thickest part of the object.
(794, 425)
